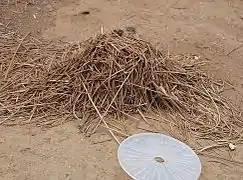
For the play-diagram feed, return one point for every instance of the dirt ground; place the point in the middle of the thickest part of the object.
(211, 29)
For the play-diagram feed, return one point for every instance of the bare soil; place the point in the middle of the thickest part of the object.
(211, 29)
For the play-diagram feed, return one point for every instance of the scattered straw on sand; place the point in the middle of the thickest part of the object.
(108, 75)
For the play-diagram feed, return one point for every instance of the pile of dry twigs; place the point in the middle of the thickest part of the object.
(108, 75)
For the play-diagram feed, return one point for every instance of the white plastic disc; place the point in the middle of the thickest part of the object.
(152, 156)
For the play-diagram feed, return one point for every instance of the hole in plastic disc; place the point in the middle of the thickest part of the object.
(159, 159)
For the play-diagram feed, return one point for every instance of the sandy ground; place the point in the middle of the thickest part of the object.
(210, 29)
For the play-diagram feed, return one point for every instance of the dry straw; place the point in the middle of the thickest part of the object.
(108, 75)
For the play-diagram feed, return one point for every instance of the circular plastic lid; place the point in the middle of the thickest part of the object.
(152, 156)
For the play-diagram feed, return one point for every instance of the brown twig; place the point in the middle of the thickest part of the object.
(143, 117)
(12, 60)
(233, 50)
(100, 116)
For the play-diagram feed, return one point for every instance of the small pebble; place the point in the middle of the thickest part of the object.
(232, 146)
(196, 57)
(241, 16)
(85, 12)
(131, 29)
